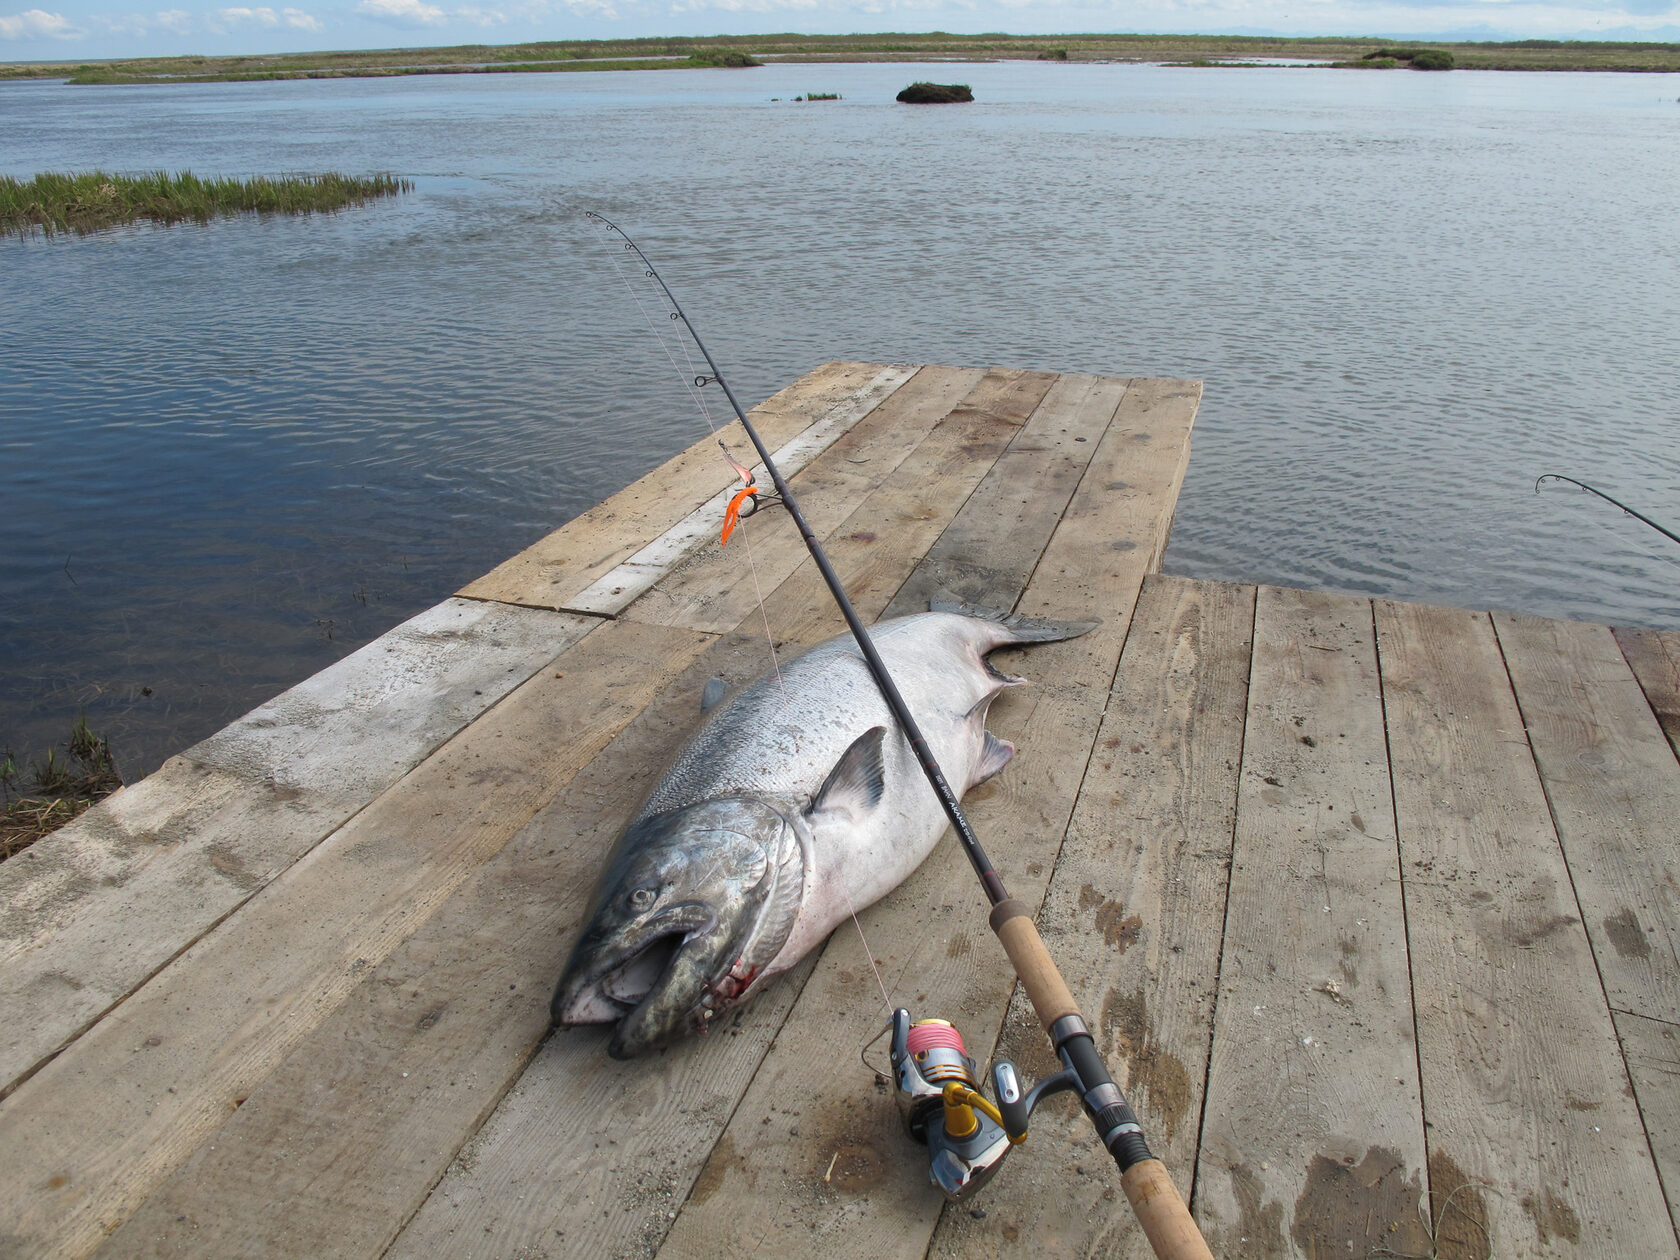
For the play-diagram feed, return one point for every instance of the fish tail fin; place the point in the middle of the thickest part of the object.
(1014, 628)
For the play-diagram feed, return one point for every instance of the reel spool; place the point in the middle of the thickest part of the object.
(938, 1090)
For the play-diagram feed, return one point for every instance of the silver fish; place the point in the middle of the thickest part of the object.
(796, 803)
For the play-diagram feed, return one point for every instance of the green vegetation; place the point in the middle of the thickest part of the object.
(63, 789)
(936, 94)
(93, 200)
(742, 50)
(819, 96)
(1417, 58)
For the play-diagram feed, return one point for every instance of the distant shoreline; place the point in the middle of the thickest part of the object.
(735, 50)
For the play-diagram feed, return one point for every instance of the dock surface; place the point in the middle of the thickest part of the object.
(1373, 907)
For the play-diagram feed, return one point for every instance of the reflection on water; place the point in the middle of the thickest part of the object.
(231, 453)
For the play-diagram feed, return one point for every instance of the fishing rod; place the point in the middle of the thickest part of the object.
(928, 1057)
(1639, 516)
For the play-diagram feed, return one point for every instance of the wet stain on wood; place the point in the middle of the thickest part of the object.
(1625, 934)
(1118, 928)
(1459, 1210)
(716, 1171)
(1553, 1218)
(1259, 1224)
(1157, 1077)
(1368, 1205)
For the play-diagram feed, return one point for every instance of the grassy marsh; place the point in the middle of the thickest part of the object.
(92, 200)
(680, 53)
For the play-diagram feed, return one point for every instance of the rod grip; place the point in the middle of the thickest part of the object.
(1166, 1222)
(1045, 987)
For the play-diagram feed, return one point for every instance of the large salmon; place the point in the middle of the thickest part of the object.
(797, 802)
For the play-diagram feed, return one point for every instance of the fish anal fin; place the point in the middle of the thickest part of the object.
(858, 781)
(994, 756)
(715, 688)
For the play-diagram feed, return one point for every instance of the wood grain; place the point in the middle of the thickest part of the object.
(1652, 1048)
(658, 1118)
(1313, 1143)
(173, 1062)
(718, 585)
(89, 913)
(1133, 917)
(615, 590)
(343, 1144)
(1535, 1145)
(1655, 658)
(556, 568)
(1614, 789)
(848, 1181)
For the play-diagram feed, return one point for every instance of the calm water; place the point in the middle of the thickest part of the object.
(230, 454)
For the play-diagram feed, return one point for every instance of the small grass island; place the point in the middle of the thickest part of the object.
(92, 200)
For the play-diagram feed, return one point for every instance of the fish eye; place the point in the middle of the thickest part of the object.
(642, 898)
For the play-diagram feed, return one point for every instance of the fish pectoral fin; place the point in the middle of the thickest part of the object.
(715, 688)
(994, 756)
(858, 781)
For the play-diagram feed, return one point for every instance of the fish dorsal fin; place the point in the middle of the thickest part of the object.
(715, 688)
(858, 780)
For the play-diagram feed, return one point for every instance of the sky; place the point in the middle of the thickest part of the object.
(62, 30)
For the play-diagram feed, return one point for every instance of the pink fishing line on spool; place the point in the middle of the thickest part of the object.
(934, 1035)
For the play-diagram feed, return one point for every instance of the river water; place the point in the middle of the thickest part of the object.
(230, 454)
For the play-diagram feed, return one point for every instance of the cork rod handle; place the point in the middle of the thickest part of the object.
(1156, 1202)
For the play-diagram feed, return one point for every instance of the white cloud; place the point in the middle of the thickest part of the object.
(299, 20)
(37, 24)
(259, 17)
(404, 12)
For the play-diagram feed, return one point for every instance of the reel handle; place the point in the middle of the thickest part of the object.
(1156, 1202)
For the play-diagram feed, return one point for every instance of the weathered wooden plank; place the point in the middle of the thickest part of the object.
(550, 572)
(1652, 1050)
(1535, 1146)
(273, 1182)
(1614, 788)
(616, 590)
(716, 585)
(832, 1172)
(1655, 658)
(1134, 917)
(663, 1147)
(335, 1151)
(1029, 485)
(879, 545)
(89, 913)
(1314, 1139)
(168, 1066)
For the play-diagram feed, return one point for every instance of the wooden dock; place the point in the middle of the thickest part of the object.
(1375, 904)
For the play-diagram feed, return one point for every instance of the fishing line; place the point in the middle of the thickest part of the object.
(694, 381)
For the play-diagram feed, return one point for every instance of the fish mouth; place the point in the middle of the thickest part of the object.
(641, 982)
(627, 985)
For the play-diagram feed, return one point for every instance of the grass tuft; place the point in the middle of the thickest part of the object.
(64, 787)
(93, 200)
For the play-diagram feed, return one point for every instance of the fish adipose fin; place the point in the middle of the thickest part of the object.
(1021, 629)
(858, 780)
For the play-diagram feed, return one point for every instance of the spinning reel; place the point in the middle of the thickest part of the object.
(938, 1090)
